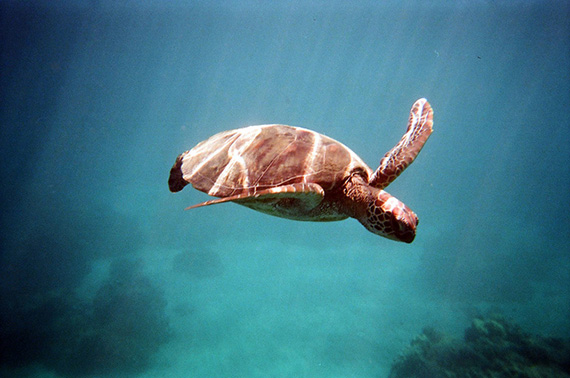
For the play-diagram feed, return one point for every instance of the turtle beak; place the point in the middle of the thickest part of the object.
(406, 230)
(405, 222)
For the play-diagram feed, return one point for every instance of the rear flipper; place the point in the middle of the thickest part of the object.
(287, 201)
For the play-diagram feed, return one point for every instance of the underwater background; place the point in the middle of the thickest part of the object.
(102, 273)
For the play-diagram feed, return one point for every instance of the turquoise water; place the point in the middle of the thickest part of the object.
(102, 272)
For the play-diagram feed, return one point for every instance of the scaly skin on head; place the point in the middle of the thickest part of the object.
(380, 212)
(389, 217)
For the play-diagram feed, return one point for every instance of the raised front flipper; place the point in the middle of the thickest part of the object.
(294, 201)
(403, 154)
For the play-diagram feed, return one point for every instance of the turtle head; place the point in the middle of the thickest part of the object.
(389, 217)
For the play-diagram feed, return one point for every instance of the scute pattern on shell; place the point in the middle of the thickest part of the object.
(247, 160)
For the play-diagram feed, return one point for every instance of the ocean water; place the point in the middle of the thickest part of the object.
(102, 273)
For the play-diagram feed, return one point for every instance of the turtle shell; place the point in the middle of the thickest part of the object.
(247, 160)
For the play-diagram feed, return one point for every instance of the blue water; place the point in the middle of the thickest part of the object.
(102, 273)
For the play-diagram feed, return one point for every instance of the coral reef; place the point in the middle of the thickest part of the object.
(118, 332)
(492, 347)
(127, 327)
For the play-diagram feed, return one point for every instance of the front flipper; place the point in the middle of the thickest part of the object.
(403, 154)
(292, 201)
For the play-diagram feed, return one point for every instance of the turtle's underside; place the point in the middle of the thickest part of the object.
(299, 174)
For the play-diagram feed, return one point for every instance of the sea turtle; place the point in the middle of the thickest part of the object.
(299, 174)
